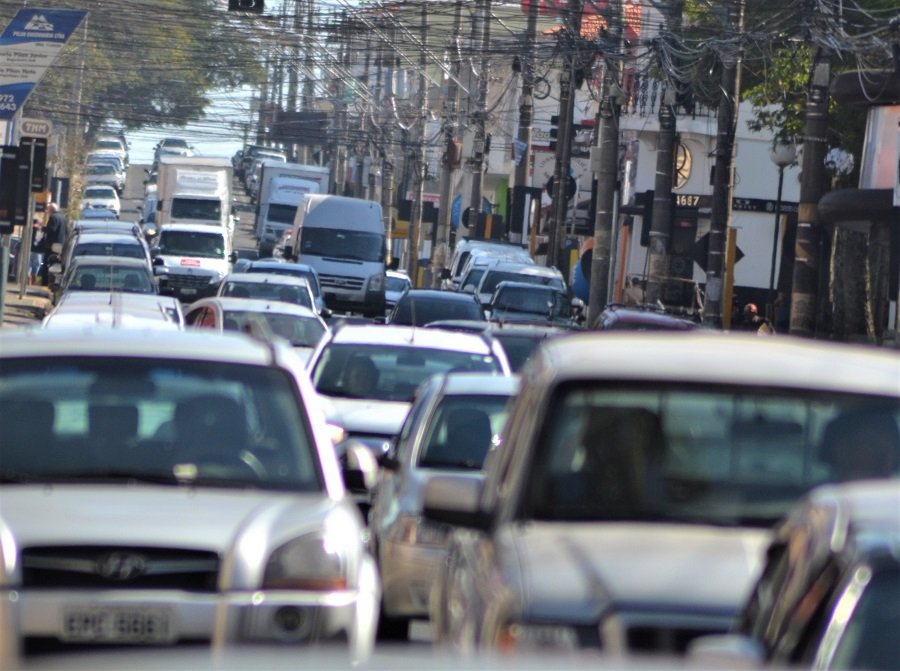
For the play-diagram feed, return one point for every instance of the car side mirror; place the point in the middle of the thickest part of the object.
(157, 260)
(577, 306)
(325, 313)
(233, 257)
(445, 273)
(288, 252)
(360, 467)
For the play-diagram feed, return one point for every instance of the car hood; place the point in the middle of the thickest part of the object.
(366, 416)
(572, 571)
(144, 515)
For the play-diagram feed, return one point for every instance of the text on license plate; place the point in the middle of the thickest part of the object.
(118, 625)
(188, 291)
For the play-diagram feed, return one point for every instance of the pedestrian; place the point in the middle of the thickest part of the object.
(753, 321)
(37, 249)
(634, 293)
(54, 239)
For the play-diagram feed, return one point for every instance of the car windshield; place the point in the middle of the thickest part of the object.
(462, 431)
(180, 421)
(518, 348)
(110, 278)
(108, 144)
(204, 209)
(494, 277)
(393, 372)
(285, 293)
(533, 302)
(289, 271)
(189, 243)
(715, 455)
(101, 169)
(99, 192)
(125, 249)
(300, 331)
(342, 244)
(417, 311)
(396, 283)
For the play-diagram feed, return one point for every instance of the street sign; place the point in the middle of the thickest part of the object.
(35, 127)
(28, 46)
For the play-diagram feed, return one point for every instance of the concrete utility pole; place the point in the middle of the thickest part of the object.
(608, 168)
(658, 252)
(309, 94)
(526, 116)
(415, 217)
(441, 245)
(482, 27)
(387, 166)
(571, 32)
(804, 296)
(723, 176)
(293, 75)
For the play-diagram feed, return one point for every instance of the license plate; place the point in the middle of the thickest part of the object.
(189, 292)
(117, 625)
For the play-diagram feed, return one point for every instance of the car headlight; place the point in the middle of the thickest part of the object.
(524, 635)
(413, 530)
(310, 562)
(376, 282)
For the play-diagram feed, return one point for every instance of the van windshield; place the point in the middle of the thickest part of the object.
(342, 244)
(282, 214)
(186, 243)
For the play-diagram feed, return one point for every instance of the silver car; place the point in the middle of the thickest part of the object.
(454, 422)
(184, 491)
(639, 480)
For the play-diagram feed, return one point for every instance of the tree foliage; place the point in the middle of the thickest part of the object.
(138, 63)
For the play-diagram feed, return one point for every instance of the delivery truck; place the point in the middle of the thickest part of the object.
(195, 190)
(281, 187)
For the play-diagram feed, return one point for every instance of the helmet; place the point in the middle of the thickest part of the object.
(750, 308)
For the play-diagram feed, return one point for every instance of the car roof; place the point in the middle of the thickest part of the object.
(709, 357)
(408, 336)
(267, 278)
(98, 187)
(281, 263)
(111, 225)
(94, 235)
(200, 345)
(638, 316)
(437, 295)
(193, 228)
(397, 274)
(524, 268)
(511, 284)
(487, 384)
(103, 260)
(229, 304)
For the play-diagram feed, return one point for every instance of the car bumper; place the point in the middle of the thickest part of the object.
(368, 302)
(407, 572)
(252, 617)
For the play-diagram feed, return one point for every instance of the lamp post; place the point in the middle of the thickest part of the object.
(782, 155)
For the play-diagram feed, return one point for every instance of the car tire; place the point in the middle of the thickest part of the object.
(392, 628)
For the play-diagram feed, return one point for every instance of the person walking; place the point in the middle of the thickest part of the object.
(37, 249)
(54, 234)
(753, 321)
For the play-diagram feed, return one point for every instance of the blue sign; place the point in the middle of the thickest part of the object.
(28, 46)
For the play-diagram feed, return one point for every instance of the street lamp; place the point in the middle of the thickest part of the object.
(782, 155)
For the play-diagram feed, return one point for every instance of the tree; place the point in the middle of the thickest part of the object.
(143, 63)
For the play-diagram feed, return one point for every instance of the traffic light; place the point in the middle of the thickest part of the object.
(554, 131)
(255, 6)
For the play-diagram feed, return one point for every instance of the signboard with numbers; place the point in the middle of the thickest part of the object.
(28, 46)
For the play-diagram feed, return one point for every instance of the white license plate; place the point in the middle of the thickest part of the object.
(117, 625)
(189, 292)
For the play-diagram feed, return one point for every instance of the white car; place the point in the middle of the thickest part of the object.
(100, 197)
(104, 173)
(173, 489)
(395, 283)
(116, 309)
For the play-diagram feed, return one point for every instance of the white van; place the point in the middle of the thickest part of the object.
(343, 239)
(465, 247)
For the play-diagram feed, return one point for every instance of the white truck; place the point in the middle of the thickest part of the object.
(194, 190)
(281, 187)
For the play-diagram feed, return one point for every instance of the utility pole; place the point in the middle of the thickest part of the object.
(415, 217)
(804, 296)
(571, 34)
(441, 245)
(607, 168)
(263, 104)
(658, 252)
(293, 78)
(723, 175)
(526, 114)
(478, 118)
(308, 65)
(363, 142)
(387, 166)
